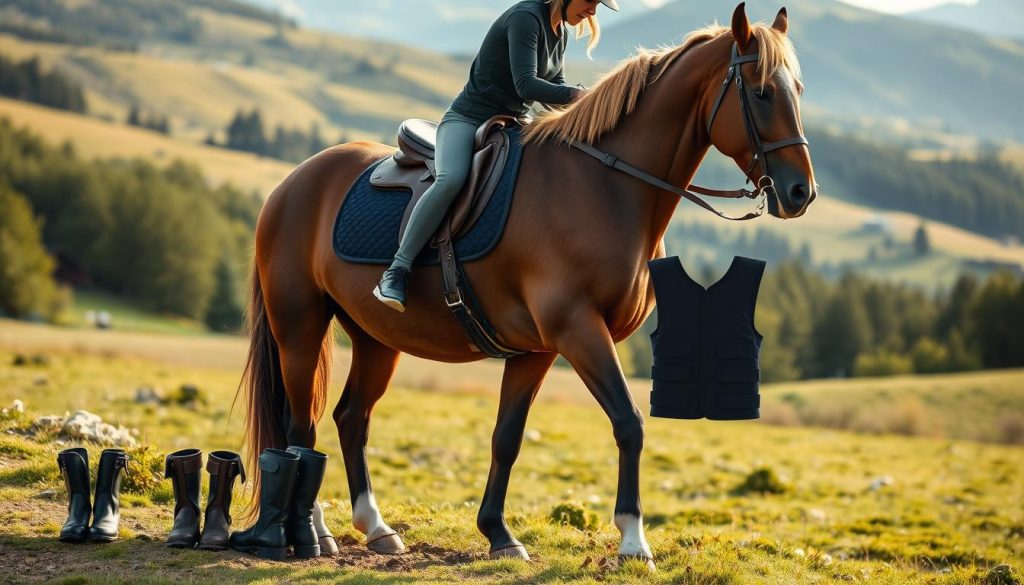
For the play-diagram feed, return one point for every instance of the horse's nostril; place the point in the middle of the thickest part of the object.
(798, 194)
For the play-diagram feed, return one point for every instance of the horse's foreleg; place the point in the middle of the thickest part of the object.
(587, 344)
(373, 364)
(519, 385)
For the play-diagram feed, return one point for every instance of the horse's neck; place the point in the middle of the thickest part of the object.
(665, 137)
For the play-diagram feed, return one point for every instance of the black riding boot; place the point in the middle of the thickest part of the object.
(277, 482)
(74, 466)
(300, 531)
(106, 515)
(183, 467)
(224, 467)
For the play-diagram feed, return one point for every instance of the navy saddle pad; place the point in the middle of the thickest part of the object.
(366, 229)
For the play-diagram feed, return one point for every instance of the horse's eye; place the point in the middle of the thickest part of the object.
(763, 95)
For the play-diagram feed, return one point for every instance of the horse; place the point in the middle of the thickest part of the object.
(568, 277)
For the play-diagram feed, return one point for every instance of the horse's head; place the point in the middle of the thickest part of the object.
(754, 118)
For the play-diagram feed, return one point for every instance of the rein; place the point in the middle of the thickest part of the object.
(758, 148)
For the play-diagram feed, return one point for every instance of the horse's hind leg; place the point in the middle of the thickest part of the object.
(373, 364)
(519, 385)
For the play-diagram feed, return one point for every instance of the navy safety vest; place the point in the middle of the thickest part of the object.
(705, 345)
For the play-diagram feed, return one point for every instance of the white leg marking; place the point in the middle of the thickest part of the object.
(367, 519)
(633, 541)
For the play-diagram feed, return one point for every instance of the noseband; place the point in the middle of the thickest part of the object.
(758, 149)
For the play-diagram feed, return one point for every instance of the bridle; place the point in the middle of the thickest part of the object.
(765, 185)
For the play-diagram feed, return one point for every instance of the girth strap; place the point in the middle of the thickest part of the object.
(462, 302)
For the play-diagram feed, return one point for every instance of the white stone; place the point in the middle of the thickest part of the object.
(880, 482)
(532, 435)
(18, 406)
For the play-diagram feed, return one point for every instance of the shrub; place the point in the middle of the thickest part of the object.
(575, 515)
(762, 480)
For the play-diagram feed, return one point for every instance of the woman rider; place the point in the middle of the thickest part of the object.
(520, 62)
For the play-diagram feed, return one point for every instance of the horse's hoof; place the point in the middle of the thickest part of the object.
(648, 561)
(388, 544)
(511, 552)
(328, 546)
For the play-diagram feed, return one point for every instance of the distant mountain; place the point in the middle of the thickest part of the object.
(450, 26)
(862, 63)
(994, 17)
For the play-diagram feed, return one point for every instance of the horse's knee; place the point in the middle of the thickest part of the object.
(629, 432)
(352, 429)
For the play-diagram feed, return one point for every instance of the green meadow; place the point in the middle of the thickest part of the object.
(744, 502)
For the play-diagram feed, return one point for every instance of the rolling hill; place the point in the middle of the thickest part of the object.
(992, 17)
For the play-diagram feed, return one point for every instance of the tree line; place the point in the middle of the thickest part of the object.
(162, 237)
(985, 195)
(246, 133)
(26, 80)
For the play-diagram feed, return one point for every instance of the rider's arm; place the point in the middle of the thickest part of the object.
(523, 37)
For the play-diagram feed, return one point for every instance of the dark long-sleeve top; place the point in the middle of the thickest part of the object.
(519, 62)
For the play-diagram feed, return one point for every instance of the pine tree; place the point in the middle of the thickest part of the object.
(225, 312)
(922, 246)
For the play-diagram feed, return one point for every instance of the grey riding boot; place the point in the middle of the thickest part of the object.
(183, 468)
(224, 467)
(106, 513)
(74, 466)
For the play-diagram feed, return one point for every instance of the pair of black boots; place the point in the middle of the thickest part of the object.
(184, 468)
(289, 483)
(105, 508)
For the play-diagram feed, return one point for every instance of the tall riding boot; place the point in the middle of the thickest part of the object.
(300, 531)
(183, 467)
(224, 467)
(74, 466)
(277, 482)
(106, 515)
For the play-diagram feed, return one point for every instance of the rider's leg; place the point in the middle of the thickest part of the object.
(453, 158)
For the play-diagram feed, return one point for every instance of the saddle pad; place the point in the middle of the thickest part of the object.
(366, 229)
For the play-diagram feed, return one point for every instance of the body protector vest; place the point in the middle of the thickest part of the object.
(705, 345)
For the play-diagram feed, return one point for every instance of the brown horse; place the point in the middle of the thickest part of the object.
(569, 275)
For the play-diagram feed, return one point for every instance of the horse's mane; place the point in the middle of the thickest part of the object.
(615, 95)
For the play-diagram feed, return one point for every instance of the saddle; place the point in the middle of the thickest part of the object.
(412, 167)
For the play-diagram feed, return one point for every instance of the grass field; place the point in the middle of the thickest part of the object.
(951, 512)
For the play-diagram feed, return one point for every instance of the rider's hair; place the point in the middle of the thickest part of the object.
(589, 26)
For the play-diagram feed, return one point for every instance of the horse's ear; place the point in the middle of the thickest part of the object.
(741, 27)
(781, 23)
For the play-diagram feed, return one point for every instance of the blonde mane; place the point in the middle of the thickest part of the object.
(616, 94)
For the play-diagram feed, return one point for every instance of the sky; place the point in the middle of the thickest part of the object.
(893, 6)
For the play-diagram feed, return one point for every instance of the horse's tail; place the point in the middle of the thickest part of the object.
(264, 390)
(265, 397)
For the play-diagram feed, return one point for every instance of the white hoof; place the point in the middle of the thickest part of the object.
(388, 544)
(510, 552)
